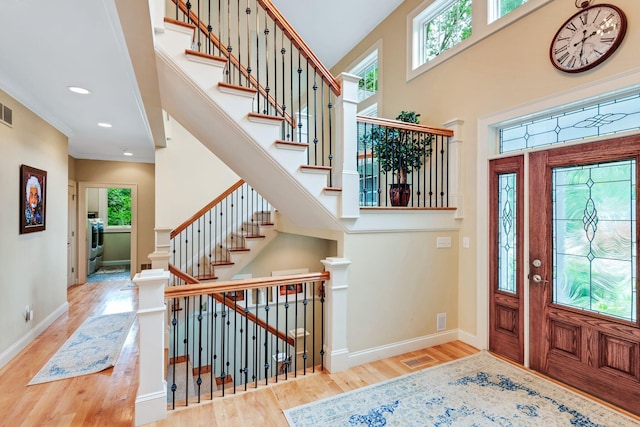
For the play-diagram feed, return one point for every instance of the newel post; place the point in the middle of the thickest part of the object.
(335, 346)
(151, 399)
(347, 146)
(160, 257)
(456, 196)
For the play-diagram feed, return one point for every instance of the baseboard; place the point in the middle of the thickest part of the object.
(23, 342)
(467, 338)
(116, 262)
(383, 352)
(151, 407)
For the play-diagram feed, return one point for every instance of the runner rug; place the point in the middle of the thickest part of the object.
(479, 390)
(92, 348)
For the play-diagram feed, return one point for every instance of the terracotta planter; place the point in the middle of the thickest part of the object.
(399, 194)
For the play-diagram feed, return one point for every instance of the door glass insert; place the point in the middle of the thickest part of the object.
(507, 232)
(594, 243)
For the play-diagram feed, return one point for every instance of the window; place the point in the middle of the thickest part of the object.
(440, 29)
(445, 28)
(499, 8)
(367, 68)
(119, 207)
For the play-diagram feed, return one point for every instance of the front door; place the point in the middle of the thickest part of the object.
(582, 266)
(583, 244)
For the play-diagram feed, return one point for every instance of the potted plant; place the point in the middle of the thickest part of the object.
(401, 152)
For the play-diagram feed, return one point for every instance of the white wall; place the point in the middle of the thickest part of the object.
(189, 177)
(33, 265)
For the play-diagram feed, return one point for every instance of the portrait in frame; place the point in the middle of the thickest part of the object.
(33, 198)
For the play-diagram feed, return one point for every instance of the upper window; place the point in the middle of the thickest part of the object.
(367, 68)
(119, 207)
(439, 29)
(445, 27)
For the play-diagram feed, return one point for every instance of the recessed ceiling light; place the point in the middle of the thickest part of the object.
(80, 90)
(127, 153)
(104, 125)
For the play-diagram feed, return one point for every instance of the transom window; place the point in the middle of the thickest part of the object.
(593, 120)
(367, 68)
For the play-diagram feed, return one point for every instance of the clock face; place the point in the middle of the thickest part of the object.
(588, 38)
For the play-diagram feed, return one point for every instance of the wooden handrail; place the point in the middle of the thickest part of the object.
(297, 41)
(206, 208)
(397, 124)
(214, 39)
(195, 288)
(242, 284)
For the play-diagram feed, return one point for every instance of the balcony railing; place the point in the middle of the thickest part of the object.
(410, 160)
(266, 54)
(227, 337)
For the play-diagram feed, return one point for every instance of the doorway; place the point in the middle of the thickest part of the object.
(577, 288)
(84, 233)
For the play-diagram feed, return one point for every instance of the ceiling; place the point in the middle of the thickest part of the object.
(47, 46)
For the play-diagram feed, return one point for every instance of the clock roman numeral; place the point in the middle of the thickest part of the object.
(561, 49)
(572, 27)
(608, 40)
(563, 58)
(583, 18)
(596, 17)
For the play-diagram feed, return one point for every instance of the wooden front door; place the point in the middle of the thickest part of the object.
(583, 264)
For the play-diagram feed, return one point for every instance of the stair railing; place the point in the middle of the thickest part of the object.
(266, 54)
(411, 160)
(208, 238)
(231, 336)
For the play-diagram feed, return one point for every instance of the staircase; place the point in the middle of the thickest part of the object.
(220, 116)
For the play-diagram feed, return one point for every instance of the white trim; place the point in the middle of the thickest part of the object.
(22, 343)
(480, 25)
(394, 349)
(151, 407)
(375, 99)
(487, 148)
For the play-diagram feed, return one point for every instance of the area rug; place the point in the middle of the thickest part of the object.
(92, 348)
(110, 269)
(479, 390)
(110, 274)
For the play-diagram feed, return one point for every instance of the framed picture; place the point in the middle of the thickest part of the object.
(291, 292)
(33, 199)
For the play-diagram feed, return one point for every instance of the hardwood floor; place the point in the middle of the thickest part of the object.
(108, 398)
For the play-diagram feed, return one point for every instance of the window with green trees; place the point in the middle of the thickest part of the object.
(502, 7)
(119, 207)
(447, 28)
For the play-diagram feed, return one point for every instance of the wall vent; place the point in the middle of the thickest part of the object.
(6, 115)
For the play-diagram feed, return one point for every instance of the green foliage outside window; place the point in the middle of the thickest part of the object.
(507, 6)
(447, 29)
(119, 206)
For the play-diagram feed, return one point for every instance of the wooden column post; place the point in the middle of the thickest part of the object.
(336, 351)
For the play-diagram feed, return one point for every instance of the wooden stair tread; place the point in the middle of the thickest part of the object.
(207, 277)
(248, 90)
(205, 56)
(333, 189)
(265, 117)
(239, 250)
(222, 263)
(254, 236)
(176, 22)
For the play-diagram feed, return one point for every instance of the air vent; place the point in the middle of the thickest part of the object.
(419, 361)
(6, 115)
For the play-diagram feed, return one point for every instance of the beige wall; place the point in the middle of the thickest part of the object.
(140, 174)
(289, 252)
(191, 177)
(505, 70)
(398, 283)
(33, 265)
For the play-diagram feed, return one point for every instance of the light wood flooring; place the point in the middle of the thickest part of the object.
(108, 398)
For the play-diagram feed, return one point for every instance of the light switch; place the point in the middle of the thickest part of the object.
(443, 242)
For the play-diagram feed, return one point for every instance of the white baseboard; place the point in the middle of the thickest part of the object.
(383, 352)
(116, 262)
(151, 407)
(467, 338)
(23, 342)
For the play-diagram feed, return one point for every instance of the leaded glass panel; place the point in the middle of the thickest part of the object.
(594, 229)
(605, 118)
(507, 232)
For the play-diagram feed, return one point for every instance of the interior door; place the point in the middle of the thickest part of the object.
(71, 235)
(506, 307)
(583, 244)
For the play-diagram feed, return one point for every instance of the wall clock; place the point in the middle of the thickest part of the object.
(588, 38)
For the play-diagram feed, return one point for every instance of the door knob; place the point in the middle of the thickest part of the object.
(538, 279)
(536, 263)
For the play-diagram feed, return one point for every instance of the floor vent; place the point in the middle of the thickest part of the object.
(418, 362)
(6, 115)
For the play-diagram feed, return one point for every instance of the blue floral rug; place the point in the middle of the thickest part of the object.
(92, 348)
(479, 390)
